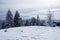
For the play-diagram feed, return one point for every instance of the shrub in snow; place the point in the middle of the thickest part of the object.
(21, 30)
(54, 24)
(5, 30)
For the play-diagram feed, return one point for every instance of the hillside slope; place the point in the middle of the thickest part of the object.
(31, 33)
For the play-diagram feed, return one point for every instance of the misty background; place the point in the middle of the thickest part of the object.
(31, 8)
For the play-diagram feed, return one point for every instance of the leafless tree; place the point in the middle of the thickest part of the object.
(50, 18)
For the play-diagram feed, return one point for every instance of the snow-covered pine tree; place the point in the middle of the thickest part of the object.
(27, 23)
(17, 20)
(33, 21)
(9, 19)
(37, 22)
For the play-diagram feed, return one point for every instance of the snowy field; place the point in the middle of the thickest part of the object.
(31, 33)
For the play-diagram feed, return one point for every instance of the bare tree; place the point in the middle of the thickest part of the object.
(50, 18)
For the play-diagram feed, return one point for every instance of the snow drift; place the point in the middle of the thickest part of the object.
(31, 33)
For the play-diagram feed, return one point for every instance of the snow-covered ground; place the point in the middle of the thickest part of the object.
(31, 33)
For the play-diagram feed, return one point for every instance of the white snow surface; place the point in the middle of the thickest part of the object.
(31, 33)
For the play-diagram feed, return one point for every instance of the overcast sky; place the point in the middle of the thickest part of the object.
(31, 7)
(29, 3)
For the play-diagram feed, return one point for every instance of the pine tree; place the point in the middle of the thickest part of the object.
(3, 25)
(17, 20)
(9, 19)
(37, 23)
(27, 23)
(33, 21)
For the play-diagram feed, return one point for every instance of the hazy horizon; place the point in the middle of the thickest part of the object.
(30, 8)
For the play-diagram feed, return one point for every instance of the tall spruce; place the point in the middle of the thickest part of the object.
(17, 20)
(9, 19)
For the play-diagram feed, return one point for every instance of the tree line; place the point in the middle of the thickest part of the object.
(17, 21)
(12, 21)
